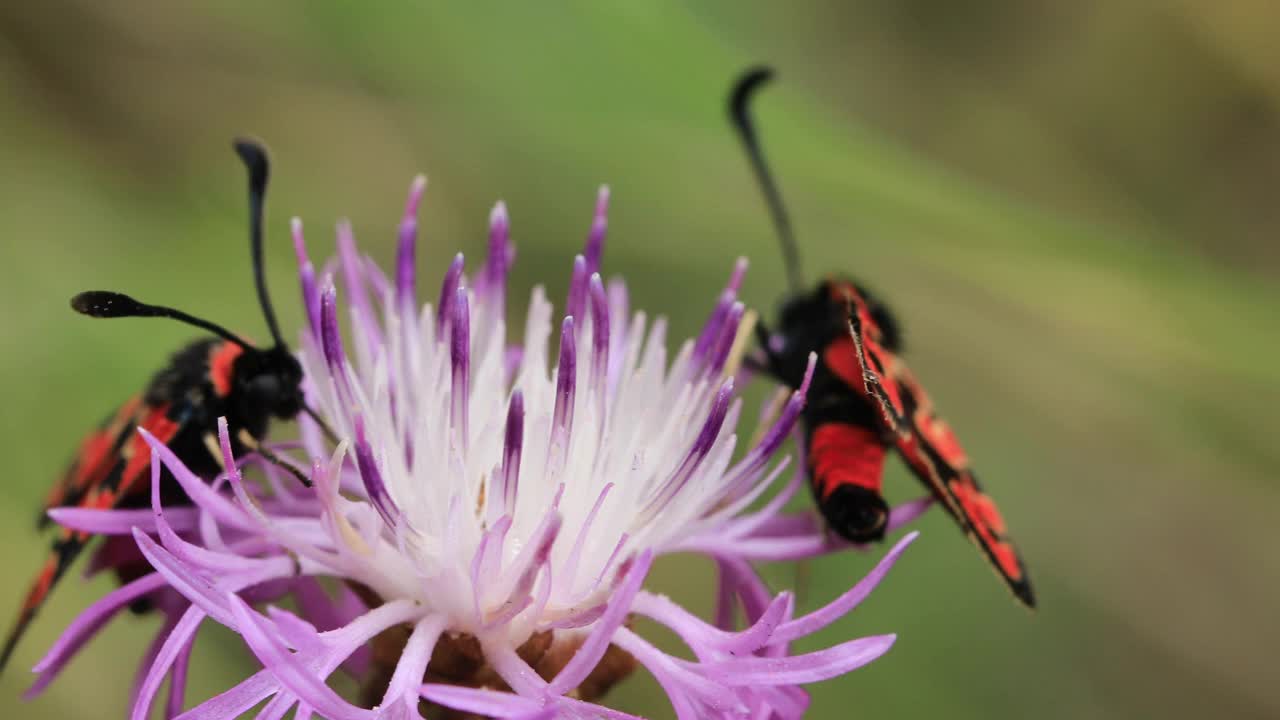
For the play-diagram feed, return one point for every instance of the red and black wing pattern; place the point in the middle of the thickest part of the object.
(929, 447)
(110, 467)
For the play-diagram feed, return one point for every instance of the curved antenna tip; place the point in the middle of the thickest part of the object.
(748, 82)
(251, 151)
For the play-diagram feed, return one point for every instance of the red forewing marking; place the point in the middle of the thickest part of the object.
(843, 454)
(935, 431)
(138, 453)
(840, 357)
(989, 526)
(874, 376)
(222, 359)
(98, 454)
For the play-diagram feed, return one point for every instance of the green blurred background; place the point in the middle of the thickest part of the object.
(1072, 207)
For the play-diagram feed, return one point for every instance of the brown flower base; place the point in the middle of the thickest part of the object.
(458, 660)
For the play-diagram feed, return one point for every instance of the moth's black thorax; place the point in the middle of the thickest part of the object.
(809, 322)
(258, 384)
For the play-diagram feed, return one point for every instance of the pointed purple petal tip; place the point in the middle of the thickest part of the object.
(416, 190)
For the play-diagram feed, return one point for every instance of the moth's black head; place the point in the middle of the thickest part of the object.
(267, 383)
(856, 513)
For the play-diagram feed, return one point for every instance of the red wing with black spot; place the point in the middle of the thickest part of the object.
(930, 448)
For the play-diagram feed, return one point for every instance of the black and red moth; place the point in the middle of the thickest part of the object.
(222, 376)
(863, 399)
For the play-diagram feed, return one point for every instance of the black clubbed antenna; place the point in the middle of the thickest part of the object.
(740, 115)
(106, 304)
(255, 160)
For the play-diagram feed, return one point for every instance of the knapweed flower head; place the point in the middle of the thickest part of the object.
(478, 530)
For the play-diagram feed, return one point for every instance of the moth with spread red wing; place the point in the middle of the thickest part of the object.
(863, 399)
(214, 377)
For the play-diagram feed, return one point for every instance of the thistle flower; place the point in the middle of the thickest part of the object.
(491, 513)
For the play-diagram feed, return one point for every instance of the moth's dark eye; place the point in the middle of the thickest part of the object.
(265, 387)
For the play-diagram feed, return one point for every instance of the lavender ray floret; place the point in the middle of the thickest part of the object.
(594, 249)
(307, 278)
(460, 359)
(599, 333)
(573, 304)
(512, 445)
(406, 253)
(593, 648)
(702, 445)
(373, 484)
(178, 678)
(330, 337)
(413, 660)
(353, 276)
(801, 669)
(566, 377)
(287, 669)
(711, 329)
(449, 292)
(493, 278)
(120, 521)
(86, 626)
(168, 653)
(851, 598)
(728, 332)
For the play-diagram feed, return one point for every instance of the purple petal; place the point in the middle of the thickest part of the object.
(700, 636)
(328, 614)
(800, 669)
(728, 332)
(353, 280)
(414, 658)
(178, 678)
(584, 534)
(599, 334)
(711, 329)
(837, 608)
(86, 626)
(498, 262)
(512, 445)
(740, 576)
(460, 357)
(200, 493)
(908, 512)
(238, 700)
(330, 337)
(599, 225)
(487, 703)
(120, 522)
(577, 288)
(306, 277)
(373, 485)
(566, 377)
(702, 445)
(533, 556)
(182, 578)
(178, 638)
(406, 252)
(735, 278)
(448, 292)
(291, 673)
(593, 648)
(758, 457)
